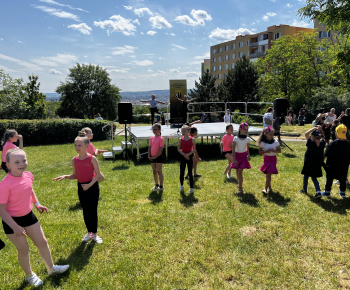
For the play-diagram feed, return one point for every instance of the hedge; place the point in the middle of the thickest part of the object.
(55, 131)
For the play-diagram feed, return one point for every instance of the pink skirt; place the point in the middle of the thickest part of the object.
(242, 161)
(269, 165)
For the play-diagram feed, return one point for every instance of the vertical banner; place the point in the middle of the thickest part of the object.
(178, 88)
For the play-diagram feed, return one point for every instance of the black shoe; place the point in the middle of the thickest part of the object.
(302, 191)
(318, 194)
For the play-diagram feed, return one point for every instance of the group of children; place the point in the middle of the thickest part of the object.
(17, 198)
(17, 195)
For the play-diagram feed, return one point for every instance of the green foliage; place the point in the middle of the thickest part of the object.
(88, 91)
(35, 100)
(54, 131)
(241, 82)
(51, 109)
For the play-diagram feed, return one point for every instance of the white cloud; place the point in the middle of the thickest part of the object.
(201, 57)
(159, 22)
(122, 50)
(1, 39)
(54, 72)
(136, 21)
(151, 32)
(200, 16)
(62, 5)
(289, 5)
(179, 46)
(118, 70)
(228, 34)
(27, 65)
(143, 62)
(128, 7)
(59, 59)
(20, 42)
(172, 34)
(82, 27)
(141, 11)
(268, 15)
(117, 23)
(58, 13)
(301, 24)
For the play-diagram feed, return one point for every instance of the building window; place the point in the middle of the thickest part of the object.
(226, 47)
(232, 65)
(214, 51)
(214, 68)
(219, 76)
(233, 56)
(321, 48)
(247, 42)
(324, 34)
(220, 49)
(214, 59)
(277, 35)
(247, 52)
(226, 57)
(226, 66)
(240, 44)
(233, 46)
(240, 54)
(219, 67)
(219, 59)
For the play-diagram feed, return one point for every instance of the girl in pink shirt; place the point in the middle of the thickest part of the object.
(88, 174)
(226, 146)
(91, 149)
(9, 138)
(16, 203)
(155, 155)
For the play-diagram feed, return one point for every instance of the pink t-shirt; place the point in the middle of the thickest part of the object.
(16, 193)
(227, 140)
(7, 146)
(91, 149)
(155, 143)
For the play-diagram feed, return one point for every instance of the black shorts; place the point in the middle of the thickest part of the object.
(23, 221)
(225, 152)
(159, 159)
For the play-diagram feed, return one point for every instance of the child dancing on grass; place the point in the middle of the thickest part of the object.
(18, 220)
(87, 172)
(240, 154)
(91, 149)
(195, 158)
(155, 155)
(269, 147)
(186, 147)
(226, 146)
(313, 159)
(9, 138)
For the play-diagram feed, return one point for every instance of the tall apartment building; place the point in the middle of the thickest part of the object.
(323, 32)
(223, 56)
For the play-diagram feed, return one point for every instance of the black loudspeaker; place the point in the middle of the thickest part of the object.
(280, 107)
(125, 113)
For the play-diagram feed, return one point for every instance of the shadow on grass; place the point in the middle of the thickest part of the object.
(289, 155)
(75, 207)
(188, 200)
(156, 197)
(277, 198)
(331, 204)
(125, 166)
(231, 180)
(248, 198)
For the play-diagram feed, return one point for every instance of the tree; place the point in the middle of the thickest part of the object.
(241, 82)
(88, 91)
(36, 101)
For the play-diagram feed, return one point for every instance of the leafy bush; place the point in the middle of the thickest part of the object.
(55, 131)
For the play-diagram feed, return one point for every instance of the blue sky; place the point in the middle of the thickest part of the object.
(141, 43)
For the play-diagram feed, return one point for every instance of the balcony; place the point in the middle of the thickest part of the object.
(264, 42)
(262, 53)
(252, 55)
(254, 44)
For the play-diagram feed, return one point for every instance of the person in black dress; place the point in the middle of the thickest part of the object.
(313, 158)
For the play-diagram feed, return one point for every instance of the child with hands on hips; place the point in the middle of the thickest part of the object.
(226, 146)
(155, 155)
(16, 203)
(91, 149)
(269, 147)
(186, 147)
(86, 170)
(240, 154)
(9, 138)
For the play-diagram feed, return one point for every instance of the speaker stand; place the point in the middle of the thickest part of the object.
(282, 142)
(125, 152)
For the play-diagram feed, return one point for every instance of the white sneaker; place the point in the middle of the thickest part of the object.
(87, 237)
(155, 188)
(34, 280)
(228, 176)
(191, 190)
(96, 239)
(182, 188)
(57, 269)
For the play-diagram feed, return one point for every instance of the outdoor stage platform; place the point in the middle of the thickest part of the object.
(218, 129)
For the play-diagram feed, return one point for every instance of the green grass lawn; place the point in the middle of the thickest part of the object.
(215, 239)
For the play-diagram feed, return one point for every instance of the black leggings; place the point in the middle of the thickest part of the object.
(153, 110)
(329, 182)
(89, 202)
(189, 163)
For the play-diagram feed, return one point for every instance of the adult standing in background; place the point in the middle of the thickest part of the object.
(184, 109)
(153, 106)
(268, 117)
(302, 115)
(228, 117)
(290, 115)
(327, 124)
